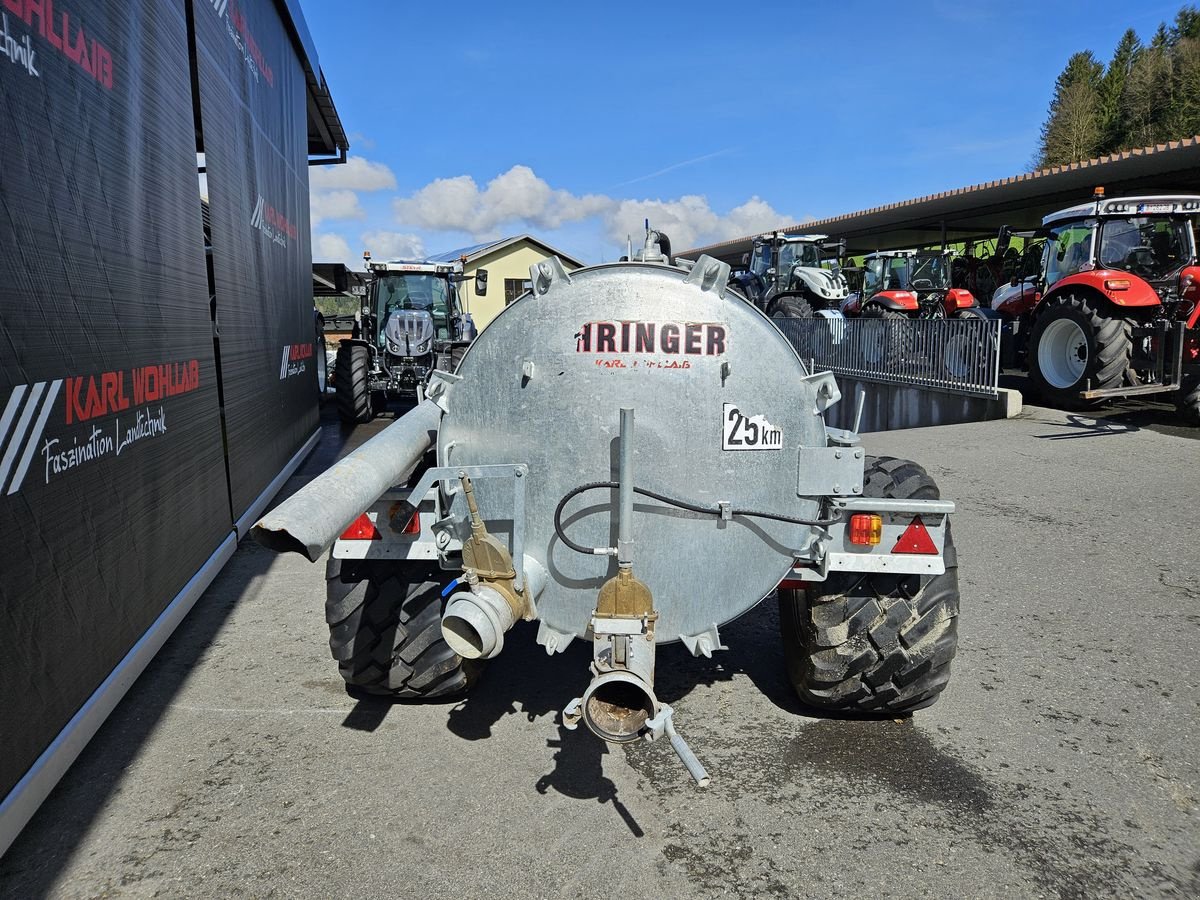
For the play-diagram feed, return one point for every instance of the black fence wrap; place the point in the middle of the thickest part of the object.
(256, 151)
(116, 484)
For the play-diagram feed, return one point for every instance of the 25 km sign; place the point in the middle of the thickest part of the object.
(742, 432)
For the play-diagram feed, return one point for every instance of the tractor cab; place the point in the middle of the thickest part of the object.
(413, 309)
(914, 283)
(1149, 237)
(782, 254)
(801, 269)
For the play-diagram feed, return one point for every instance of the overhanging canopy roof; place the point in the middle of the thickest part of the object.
(326, 136)
(980, 209)
(335, 280)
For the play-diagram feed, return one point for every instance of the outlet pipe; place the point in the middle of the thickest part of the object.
(617, 705)
(476, 619)
(311, 519)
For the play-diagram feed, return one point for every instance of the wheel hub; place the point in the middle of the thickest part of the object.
(1063, 353)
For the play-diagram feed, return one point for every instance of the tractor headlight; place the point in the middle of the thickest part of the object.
(422, 347)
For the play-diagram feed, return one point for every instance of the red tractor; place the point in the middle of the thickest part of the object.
(910, 284)
(1113, 311)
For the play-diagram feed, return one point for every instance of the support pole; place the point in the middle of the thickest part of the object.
(625, 491)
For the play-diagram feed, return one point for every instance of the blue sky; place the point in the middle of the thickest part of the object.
(476, 120)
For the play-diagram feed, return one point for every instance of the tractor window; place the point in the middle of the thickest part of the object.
(930, 273)
(897, 276)
(799, 254)
(761, 260)
(1068, 251)
(873, 279)
(1151, 247)
(411, 291)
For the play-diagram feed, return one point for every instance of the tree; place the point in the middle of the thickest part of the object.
(1112, 85)
(1183, 115)
(1187, 24)
(1146, 101)
(1074, 126)
(1145, 95)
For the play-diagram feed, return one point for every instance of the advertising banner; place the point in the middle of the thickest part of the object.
(112, 476)
(253, 118)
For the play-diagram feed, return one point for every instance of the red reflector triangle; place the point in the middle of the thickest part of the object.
(915, 539)
(361, 529)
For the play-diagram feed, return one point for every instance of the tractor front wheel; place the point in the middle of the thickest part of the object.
(870, 642)
(883, 344)
(350, 377)
(783, 312)
(1188, 399)
(791, 307)
(967, 348)
(1076, 346)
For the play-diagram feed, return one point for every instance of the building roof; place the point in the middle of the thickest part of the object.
(477, 252)
(327, 141)
(335, 280)
(326, 135)
(979, 210)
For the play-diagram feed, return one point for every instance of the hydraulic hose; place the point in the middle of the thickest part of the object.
(670, 501)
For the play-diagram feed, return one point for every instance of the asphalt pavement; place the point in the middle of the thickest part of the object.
(1062, 761)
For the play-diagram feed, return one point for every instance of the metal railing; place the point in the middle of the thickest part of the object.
(961, 355)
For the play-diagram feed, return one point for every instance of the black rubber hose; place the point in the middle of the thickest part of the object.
(670, 501)
(664, 245)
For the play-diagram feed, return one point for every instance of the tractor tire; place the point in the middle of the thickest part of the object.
(882, 344)
(964, 354)
(1074, 345)
(385, 631)
(351, 370)
(868, 642)
(783, 312)
(1187, 401)
(791, 307)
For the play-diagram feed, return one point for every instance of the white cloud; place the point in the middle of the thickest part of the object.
(333, 205)
(457, 204)
(752, 217)
(393, 245)
(356, 174)
(332, 248)
(684, 220)
(519, 198)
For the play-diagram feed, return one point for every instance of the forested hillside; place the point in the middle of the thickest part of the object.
(1145, 94)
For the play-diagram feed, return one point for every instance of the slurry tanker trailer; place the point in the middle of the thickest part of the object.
(630, 454)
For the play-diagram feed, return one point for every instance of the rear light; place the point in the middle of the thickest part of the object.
(866, 529)
(1116, 284)
(413, 526)
(361, 529)
(915, 539)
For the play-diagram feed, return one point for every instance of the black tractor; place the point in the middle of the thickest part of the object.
(412, 322)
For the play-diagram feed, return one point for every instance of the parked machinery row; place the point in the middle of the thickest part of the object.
(1101, 302)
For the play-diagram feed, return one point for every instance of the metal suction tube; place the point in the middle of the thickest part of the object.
(311, 519)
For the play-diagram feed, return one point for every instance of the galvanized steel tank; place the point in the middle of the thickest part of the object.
(705, 371)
